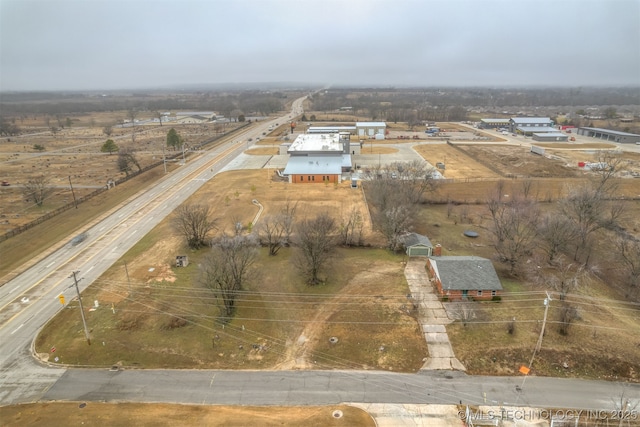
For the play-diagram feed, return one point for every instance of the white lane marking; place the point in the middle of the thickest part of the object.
(101, 229)
(50, 264)
(90, 268)
(16, 330)
(121, 215)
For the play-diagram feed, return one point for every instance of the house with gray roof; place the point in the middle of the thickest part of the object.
(416, 244)
(464, 277)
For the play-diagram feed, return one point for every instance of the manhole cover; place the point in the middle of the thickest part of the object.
(333, 340)
(337, 414)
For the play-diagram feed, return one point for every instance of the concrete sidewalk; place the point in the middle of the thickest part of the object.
(432, 317)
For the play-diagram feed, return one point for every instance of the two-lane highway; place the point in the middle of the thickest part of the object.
(29, 300)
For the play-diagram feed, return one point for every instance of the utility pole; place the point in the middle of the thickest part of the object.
(74, 194)
(164, 160)
(84, 321)
(126, 270)
(547, 302)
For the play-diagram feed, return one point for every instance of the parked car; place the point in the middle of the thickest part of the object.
(5, 183)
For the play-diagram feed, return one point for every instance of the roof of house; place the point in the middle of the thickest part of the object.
(529, 120)
(505, 121)
(371, 124)
(316, 142)
(415, 239)
(195, 113)
(612, 132)
(466, 273)
(330, 129)
(538, 129)
(315, 165)
(550, 134)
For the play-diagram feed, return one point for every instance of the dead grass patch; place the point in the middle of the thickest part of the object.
(159, 414)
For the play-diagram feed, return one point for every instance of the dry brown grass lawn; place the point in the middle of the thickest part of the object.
(281, 322)
(602, 343)
(159, 414)
(74, 154)
(458, 164)
(261, 151)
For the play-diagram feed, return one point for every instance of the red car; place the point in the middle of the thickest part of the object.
(5, 183)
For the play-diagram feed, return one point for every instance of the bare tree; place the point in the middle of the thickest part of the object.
(107, 130)
(555, 232)
(287, 217)
(351, 228)
(394, 222)
(629, 250)
(609, 163)
(463, 311)
(394, 190)
(37, 189)
(589, 210)
(514, 227)
(566, 277)
(228, 266)
(275, 231)
(126, 160)
(132, 113)
(315, 243)
(194, 223)
(568, 313)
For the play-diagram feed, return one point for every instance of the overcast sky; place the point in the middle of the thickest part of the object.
(112, 44)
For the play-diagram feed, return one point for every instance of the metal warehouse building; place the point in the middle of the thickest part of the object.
(550, 136)
(493, 123)
(610, 135)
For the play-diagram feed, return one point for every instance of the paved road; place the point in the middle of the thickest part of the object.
(29, 300)
(331, 387)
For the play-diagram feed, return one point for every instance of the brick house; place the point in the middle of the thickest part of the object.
(464, 277)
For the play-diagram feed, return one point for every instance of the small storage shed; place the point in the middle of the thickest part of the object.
(182, 261)
(417, 244)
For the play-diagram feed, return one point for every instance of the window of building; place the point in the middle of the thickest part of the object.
(494, 293)
(479, 293)
(313, 178)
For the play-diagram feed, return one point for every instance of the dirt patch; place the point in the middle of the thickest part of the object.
(518, 161)
(262, 151)
(458, 164)
(127, 414)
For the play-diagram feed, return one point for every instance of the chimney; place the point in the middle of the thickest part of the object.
(437, 251)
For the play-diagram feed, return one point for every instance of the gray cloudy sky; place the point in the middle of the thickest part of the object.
(113, 44)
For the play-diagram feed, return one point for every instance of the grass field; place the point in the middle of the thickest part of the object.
(280, 321)
(158, 414)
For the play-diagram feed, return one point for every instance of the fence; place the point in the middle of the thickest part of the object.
(58, 211)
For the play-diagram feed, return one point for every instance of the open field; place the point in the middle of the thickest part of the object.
(72, 158)
(163, 317)
(458, 164)
(158, 414)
